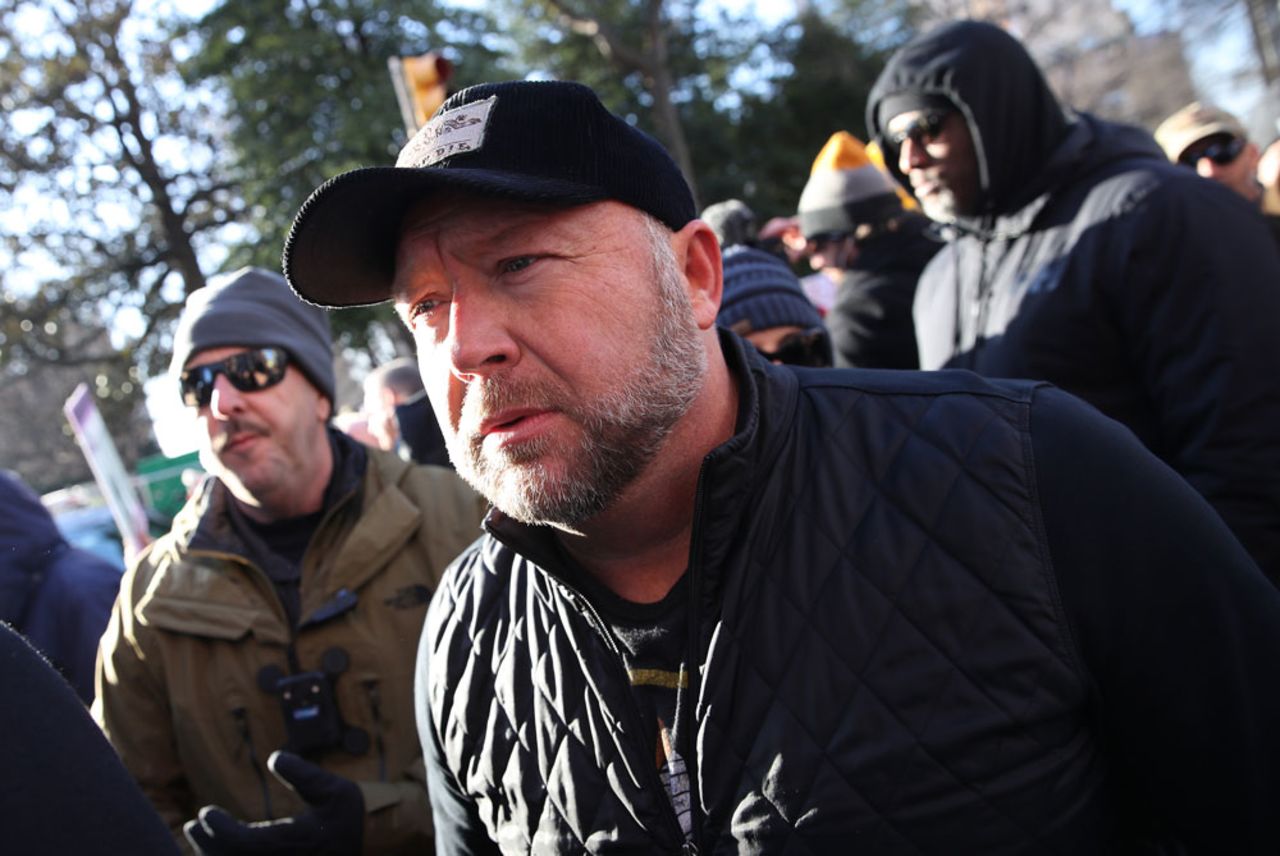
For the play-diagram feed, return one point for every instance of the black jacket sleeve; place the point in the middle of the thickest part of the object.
(1199, 299)
(1178, 628)
(458, 829)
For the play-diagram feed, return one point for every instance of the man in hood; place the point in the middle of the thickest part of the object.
(1079, 255)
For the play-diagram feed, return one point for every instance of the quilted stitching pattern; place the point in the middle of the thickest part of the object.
(888, 668)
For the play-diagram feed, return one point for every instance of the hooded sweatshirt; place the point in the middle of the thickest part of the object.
(1091, 262)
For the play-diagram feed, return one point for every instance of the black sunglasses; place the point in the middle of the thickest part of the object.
(922, 130)
(826, 238)
(1222, 150)
(801, 348)
(248, 371)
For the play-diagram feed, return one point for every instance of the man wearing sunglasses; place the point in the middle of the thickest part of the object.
(1212, 142)
(1216, 145)
(1077, 254)
(764, 304)
(281, 610)
(858, 234)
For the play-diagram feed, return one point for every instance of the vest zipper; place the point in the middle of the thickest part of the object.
(635, 721)
(242, 725)
(694, 669)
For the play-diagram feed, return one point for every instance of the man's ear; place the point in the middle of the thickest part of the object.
(324, 408)
(698, 252)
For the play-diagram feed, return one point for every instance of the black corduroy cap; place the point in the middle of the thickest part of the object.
(534, 141)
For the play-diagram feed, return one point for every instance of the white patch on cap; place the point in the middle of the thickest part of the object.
(454, 132)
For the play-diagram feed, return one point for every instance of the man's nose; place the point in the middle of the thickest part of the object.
(225, 400)
(480, 335)
(912, 154)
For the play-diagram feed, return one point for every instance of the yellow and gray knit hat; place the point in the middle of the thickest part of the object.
(845, 190)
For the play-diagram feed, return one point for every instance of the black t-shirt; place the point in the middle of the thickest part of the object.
(653, 639)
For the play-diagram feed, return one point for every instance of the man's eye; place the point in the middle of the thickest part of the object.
(517, 264)
(424, 309)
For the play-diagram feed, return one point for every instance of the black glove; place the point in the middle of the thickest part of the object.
(333, 826)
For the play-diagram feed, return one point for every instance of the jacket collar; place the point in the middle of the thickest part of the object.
(365, 486)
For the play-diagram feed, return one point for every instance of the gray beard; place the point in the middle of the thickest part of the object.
(622, 431)
(941, 207)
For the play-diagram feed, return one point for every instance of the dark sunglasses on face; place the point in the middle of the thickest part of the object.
(922, 130)
(1222, 150)
(802, 348)
(248, 371)
(823, 239)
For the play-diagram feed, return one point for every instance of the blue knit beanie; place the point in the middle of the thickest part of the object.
(760, 290)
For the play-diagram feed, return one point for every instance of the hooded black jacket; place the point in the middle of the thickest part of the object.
(1093, 263)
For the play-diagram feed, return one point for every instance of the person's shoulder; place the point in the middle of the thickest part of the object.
(911, 383)
(1178, 209)
(81, 574)
(437, 491)
(167, 561)
(1137, 182)
(473, 590)
(871, 412)
(160, 558)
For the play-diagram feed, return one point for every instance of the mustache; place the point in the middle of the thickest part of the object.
(233, 429)
(494, 394)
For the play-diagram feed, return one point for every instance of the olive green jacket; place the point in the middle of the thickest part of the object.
(195, 624)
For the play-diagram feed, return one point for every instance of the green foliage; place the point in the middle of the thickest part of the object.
(755, 104)
(312, 97)
(107, 171)
(822, 80)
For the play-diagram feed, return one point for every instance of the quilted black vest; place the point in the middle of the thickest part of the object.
(885, 667)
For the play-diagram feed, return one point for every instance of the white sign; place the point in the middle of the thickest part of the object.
(108, 470)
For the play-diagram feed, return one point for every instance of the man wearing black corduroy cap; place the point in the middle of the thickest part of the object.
(724, 605)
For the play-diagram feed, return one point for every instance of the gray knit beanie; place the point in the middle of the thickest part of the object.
(254, 308)
(761, 290)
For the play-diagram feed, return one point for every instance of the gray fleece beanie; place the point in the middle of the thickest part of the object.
(254, 308)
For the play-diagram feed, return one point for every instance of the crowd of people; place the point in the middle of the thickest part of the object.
(666, 543)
